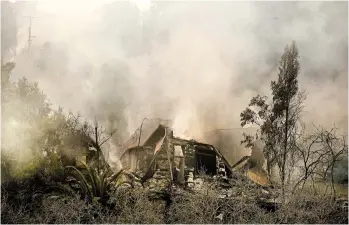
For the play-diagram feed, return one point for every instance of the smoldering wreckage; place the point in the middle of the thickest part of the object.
(164, 165)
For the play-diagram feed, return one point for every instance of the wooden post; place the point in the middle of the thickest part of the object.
(168, 148)
(96, 136)
(181, 170)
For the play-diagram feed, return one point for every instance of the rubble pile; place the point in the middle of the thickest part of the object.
(167, 166)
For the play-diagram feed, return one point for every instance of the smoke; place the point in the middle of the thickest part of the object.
(195, 63)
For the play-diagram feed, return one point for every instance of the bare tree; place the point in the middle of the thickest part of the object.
(318, 153)
(337, 147)
(310, 156)
(95, 136)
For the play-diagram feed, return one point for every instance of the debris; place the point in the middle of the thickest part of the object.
(166, 164)
(220, 217)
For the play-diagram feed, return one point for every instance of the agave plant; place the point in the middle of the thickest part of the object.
(96, 185)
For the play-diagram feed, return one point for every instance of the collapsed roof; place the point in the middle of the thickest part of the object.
(153, 150)
(155, 142)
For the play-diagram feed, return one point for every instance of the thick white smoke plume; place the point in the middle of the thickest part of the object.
(195, 63)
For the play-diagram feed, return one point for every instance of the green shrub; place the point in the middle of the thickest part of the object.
(96, 185)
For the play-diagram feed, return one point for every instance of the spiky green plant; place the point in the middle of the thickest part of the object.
(98, 185)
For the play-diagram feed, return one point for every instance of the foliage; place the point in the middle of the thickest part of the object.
(6, 166)
(96, 184)
(33, 135)
(341, 171)
(29, 169)
(29, 190)
(25, 111)
(278, 121)
(5, 74)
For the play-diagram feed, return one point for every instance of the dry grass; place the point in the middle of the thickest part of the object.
(136, 208)
(132, 206)
(324, 188)
(308, 207)
(195, 208)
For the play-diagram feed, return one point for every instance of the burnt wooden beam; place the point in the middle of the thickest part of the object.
(200, 153)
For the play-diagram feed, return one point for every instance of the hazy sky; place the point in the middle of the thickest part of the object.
(195, 62)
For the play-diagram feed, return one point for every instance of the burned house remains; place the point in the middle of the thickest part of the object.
(162, 160)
